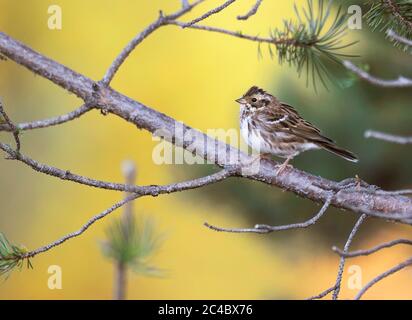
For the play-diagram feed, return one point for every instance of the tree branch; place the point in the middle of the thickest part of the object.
(336, 287)
(209, 13)
(301, 183)
(144, 191)
(383, 275)
(12, 126)
(262, 228)
(251, 12)
(338, 282)
(49, 122)
(322, 294)
(235, 34)
(387, 137)
(86, 226)
(393, 35)
(367, 252)
(401, 82)
(161, 21)
(151, 190)
(185, 3)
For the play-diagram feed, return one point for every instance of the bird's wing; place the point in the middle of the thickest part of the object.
(284, 118)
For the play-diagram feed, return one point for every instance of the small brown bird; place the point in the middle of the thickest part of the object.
(272, 127)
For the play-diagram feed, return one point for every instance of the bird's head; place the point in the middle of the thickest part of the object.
(255, 98)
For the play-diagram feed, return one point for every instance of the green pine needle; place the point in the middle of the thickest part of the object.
(398, 17)
(11, 257)
(133, 244)
(310, 44)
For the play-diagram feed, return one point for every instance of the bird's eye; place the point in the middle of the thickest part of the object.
(254, 100)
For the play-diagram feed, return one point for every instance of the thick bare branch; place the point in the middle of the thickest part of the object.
(209, 13)
(387, 137)
(338, 282)
(49, 122)
(12, 126)
(301, 183)
(251, 12)
(263, 228)
(367, 252)
(400, 82)
(383, 275)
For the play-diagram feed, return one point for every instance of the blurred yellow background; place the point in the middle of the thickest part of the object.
(193, 77)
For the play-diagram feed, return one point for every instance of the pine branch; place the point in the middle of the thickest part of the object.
(11, 257)
(308, 43)
(396, 15)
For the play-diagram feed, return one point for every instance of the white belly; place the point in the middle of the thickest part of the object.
(254, 139)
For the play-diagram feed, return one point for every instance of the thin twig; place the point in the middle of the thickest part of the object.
(383, 275)
(12, 126)
(51, 121)
(151, 190)
(251, 12)
(262, 228)
(387, 137)
(322, 294)
(236, 34)
(393, 35)
(160, 21)
(86, 226)
(367, 252)
(209, 13)
(338, 282)
(400, 82)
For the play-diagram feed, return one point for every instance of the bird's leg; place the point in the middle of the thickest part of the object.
(285, 164)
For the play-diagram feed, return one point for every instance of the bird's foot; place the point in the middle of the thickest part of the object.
(284, 165)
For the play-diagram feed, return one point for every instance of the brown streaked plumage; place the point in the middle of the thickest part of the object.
(273, 127)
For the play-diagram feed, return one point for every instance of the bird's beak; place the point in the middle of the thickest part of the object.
(241, 101)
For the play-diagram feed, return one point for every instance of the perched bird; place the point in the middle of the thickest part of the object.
(272, 127)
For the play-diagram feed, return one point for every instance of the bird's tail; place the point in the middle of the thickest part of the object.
(331, 147)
